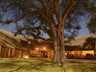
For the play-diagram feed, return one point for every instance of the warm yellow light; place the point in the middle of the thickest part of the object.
(65, 53)
(87, 52)
(29, 42)
(36, 48)
(26, 57)
(44, 48)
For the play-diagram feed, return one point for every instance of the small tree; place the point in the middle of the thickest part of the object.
(90, 43)
(90, 5)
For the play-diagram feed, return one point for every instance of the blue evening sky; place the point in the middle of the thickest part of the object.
(83, 31)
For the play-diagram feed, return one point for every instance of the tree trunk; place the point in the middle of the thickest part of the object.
(59, 51)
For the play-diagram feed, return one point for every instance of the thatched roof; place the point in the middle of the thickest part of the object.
(79, 41)
(41, 43)
(8, 39)
(76, 48)
(76, 44)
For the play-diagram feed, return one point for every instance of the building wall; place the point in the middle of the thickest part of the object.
(79, 54)
(13, 53)
(42, 53)
(88, 52)
(25, 54)
(18, 53)
(49, 53)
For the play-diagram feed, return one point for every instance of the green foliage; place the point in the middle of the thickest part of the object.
(90, 6)
(89, 43)
(92, 24)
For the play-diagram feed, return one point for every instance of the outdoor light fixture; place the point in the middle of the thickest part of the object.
(44, 48)
(29, 42)
(36, 48)
(65, 53)
(26, 57)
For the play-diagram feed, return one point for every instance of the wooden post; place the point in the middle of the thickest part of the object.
(95, 49)
(14, 52)
(4, 52)
(8, 52)
(0, 51)
(20, 54)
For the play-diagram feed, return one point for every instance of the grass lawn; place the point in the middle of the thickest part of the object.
(30, 65)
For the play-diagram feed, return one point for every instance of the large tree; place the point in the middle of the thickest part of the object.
(54, 17)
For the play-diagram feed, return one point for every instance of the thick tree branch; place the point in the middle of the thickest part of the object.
(16, 25)
(69, 8)
(51, 4)
(48, 13)
(37, 28)
(18, 19)
(33, 5)
(57, 11)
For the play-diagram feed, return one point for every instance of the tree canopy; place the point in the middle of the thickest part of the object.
(89, 43)
(29, 13)
(36, 15)
(90, 5)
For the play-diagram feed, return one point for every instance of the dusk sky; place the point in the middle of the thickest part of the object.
(83, 31)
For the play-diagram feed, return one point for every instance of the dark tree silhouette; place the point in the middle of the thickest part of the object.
(92, 14)
(90, 43)
(92, 24)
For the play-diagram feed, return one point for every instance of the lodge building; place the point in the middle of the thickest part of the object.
(21, 47)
